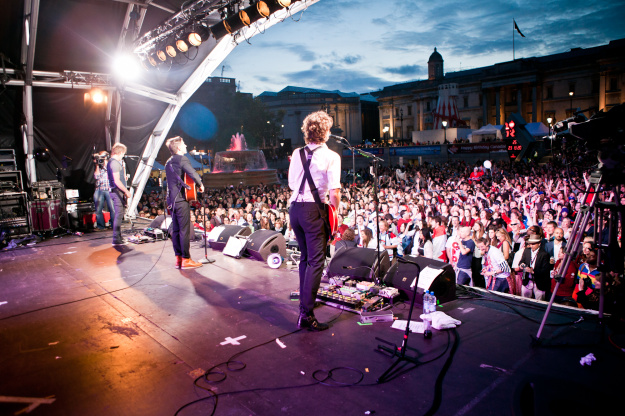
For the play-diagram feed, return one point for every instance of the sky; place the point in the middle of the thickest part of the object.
(364, 45)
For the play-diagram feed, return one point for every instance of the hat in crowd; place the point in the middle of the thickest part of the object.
(534, 238)
(565, 209)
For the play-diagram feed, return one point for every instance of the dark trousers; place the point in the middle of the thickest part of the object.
(312, 237)
(180, 225)
(118, 205)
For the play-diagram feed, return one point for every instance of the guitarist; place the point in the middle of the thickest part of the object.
(119, 190)
(309, 217)
(175, 168)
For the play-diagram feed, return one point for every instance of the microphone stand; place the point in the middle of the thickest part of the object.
(374, 160)
(205, 260)
(400, 352)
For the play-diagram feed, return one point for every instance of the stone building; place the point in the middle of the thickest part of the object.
(538, 88)
(355, 115)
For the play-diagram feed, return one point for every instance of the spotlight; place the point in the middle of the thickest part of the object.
(181, 43)
(125, 67)
(161, 55)
(170, 50)
(199, 34)
(275, 5)
(95, 96)
(257, 11)
(152, 59)
(230, 25)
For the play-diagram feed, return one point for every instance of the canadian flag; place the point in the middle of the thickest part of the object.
(439, 240)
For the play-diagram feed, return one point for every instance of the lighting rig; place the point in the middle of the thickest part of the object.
(171, 41)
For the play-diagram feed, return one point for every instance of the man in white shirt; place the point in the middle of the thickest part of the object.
(308, 218)
(494, 267)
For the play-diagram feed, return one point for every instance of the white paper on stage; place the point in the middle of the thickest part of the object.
(415, 326)
(426, 277)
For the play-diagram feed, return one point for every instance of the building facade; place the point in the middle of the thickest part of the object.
(354, 115)
(549, 87)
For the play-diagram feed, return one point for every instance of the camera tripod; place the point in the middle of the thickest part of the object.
(614, 253)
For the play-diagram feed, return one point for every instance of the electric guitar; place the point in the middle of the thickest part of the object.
(333, 219)
(190, 193)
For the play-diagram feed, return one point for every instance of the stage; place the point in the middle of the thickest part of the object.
(89, 329)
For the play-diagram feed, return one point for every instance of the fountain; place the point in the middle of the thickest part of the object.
(239, 166)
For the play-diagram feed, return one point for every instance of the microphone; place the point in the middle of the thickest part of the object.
(339, 138)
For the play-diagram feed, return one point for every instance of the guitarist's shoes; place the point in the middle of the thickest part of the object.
(190, 264)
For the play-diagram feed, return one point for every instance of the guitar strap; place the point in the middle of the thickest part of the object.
(311, 184)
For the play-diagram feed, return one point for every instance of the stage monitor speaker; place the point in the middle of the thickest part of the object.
(262, 243)
(359, 263)
(402, 274)
(218, 237)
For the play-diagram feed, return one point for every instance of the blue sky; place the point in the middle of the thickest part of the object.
(364, 45)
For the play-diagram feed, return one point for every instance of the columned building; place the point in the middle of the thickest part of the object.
(539, 88)
(350, 111)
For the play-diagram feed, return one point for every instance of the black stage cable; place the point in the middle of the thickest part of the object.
(326, 380)
(438, 386)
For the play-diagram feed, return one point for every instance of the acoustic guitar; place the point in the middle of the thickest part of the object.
(190, 193)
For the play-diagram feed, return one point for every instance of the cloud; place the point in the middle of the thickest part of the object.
(328, 78)
(406, 70)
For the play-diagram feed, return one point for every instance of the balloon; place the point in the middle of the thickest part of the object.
(42, 154)
(487, 164)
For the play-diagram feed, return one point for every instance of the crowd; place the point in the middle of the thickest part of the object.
(505, 228)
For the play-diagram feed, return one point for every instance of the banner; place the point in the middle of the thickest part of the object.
(415, 150)
(497, 147)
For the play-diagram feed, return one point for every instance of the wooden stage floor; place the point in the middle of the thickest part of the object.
(88, 329)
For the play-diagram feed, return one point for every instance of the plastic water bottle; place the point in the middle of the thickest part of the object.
(427, 308)
(433, 303)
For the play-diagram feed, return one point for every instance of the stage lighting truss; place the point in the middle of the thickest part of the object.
(195, 23)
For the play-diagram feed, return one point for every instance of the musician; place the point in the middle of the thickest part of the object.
(176, 166)
(119, 189)
(308, 219)
(102, 192)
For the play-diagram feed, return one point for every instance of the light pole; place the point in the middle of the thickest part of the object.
(385, 131)
(401, 125)
(446, 145)
(571, 93)
(549, 121)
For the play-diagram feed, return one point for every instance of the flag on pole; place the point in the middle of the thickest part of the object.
(517, 28)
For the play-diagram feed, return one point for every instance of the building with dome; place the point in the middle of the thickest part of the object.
(540, 88)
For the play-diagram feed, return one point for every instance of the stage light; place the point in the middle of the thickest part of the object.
(230, 25)
(125, 67)
(181, 43)
(198, 34)
(170, 50)
(275, 5)
(257, 11)
(95, 96)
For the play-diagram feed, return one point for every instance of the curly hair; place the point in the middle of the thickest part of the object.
(316, 127)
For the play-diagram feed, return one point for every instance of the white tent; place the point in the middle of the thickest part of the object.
(487, 132)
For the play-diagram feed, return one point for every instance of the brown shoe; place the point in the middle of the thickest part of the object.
(190, 264)
(178, 262)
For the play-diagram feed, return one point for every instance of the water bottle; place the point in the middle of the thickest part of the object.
(433, 302)
(427, 308)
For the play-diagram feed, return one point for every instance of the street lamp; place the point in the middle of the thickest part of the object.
(571, 93)
(445, 127)
(549, 121)
(401, 125)
(385, 131)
